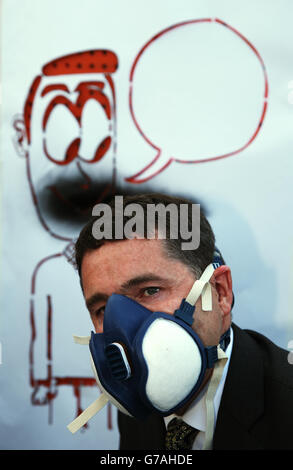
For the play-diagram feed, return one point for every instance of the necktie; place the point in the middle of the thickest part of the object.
(179, 435)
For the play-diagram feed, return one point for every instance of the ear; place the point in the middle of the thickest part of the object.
(223, 284)
(20, 137)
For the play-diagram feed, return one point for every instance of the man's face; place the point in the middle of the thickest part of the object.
(140, 269)
(71, 148)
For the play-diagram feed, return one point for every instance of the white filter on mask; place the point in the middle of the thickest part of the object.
(174, 363)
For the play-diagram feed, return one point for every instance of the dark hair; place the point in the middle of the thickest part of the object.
(197, 260)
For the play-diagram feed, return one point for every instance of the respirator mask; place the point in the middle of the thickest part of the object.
(146, 361)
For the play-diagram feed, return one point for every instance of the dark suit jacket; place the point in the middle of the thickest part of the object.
(256, 409)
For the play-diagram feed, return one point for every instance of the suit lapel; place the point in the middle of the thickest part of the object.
(242, 399)
(141, 435)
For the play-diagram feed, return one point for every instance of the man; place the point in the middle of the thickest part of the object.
(253, 400)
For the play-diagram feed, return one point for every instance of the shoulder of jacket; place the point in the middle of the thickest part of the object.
(277, 367)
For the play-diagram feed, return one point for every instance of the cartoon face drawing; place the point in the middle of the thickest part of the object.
(68, 135)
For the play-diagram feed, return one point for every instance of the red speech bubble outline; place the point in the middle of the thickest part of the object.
(136, 177)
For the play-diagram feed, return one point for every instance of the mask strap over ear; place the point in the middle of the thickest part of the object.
(202, 287)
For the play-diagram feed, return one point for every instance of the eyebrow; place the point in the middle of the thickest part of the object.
(57, 86)
(140, 280)
(136, 281)
(95, 298)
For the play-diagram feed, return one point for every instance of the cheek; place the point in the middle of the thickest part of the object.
(171, 304)
(98, 325)
(173, 298)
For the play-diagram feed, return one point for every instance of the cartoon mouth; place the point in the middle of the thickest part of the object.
(71, 201)
(81, 200)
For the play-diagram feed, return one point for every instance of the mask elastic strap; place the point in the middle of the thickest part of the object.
(83, 340)
(202, 287)
(88, 413)
(95, 407)
(211, 392)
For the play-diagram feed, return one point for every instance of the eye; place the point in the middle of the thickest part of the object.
(100, 311)
(149, 291)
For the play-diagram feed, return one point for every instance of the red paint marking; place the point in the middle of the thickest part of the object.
(35, 272)
(92, 61)
(158, 35)
(50, 88)
(52, 382)
(133, 178)
(109, 415)
(85, 93)
(101, 150)
(70, 154)
(33, 337)
(28, 106)
(49, 323)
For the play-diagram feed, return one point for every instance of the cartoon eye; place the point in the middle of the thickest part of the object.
(62, 130)
(94, 129)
